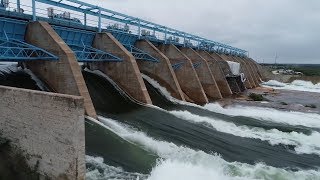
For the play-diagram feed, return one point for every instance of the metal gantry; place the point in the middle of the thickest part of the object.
(103, 13)
(89, 54)
(197, 65)
(178, 65)
(17, 51)
(139, 54)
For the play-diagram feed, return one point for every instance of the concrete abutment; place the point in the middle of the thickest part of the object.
(48, 130)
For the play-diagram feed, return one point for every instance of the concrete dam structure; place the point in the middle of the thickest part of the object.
(55, 39)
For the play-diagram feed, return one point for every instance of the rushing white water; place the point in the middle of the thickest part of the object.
(108, 172)
(267, 114)
(297, 85)
(305, 144)
(181, 162)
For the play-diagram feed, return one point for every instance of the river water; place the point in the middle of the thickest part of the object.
(173, 139)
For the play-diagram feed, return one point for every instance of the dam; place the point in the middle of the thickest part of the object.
(57, 40)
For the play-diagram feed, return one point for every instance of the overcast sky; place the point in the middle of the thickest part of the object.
(289, 28)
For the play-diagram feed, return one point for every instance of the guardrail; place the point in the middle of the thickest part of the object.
(105, 19)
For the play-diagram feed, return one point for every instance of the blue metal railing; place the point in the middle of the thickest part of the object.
(102, 14)
(88, 12)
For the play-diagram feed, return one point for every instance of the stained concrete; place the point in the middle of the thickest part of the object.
(218, 73)
(223, 64)
(204, 73)
(247, 83)
(186, 74)
(161, 71)
(125, 73)
(259, 69)
(63, 76)
(235, 83)
(254, 80)
(254, 70)
(48, 128)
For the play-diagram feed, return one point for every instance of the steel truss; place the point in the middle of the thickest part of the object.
(177, 65)
(89, 54)
(17, 51)
(139, 54)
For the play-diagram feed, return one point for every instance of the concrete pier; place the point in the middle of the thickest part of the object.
(161, 71)
(186, 74)
(247, 83)
(48, 130)
(258, 68)
(218, 74)
(249, 70)
(203, 71)
(125, 73)
(234, 81)
(254, 71)
(63, 76)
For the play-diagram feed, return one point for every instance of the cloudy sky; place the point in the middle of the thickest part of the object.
(290, 28)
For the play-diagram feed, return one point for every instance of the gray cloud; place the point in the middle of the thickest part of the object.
(286, 27)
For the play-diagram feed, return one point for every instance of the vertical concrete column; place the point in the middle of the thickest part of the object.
(186, 74)
(204, 73)
(218, 74)
(161, 71)
(247, 83)
(126, 73)
(63, 76)
(254, 80)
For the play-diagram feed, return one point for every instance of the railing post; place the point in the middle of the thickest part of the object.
(165, 36)
(139, 29)
(34, 18)
(85, 19)
(99, 25)
(18, 5)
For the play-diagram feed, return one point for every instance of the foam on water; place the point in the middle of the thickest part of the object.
(181, 162)
(297, 85)
(304, 144)
(267, 114)
(98, 170)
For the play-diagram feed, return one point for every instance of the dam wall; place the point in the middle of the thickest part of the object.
(63, 76)
(248, 70)
(247, 83)
(47, 128)
(186, 74)
(218, 74)
(160, 71)
(204, 73)
(125, 73)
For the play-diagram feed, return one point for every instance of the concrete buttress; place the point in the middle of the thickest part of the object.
(63, 76)
(218, 74)
(204, 73)
(243, 70)
(125, 73)
(160, 71)
(253, 79)
(186, 74)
